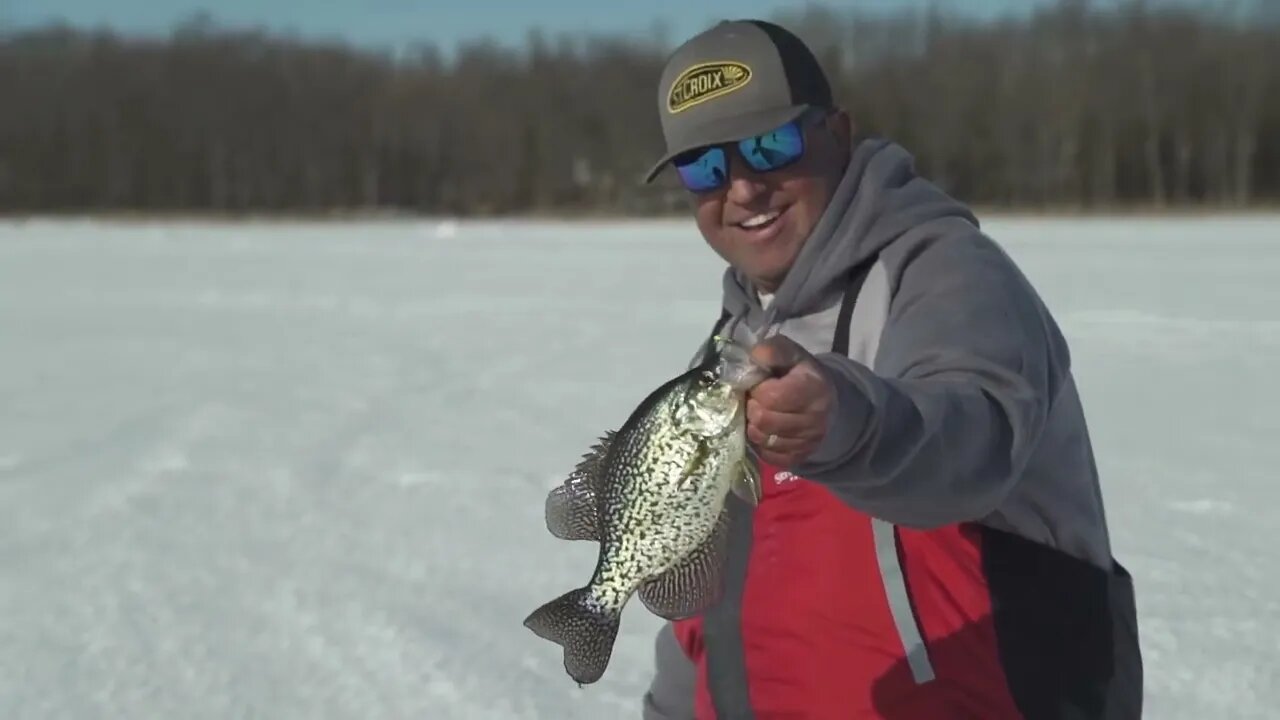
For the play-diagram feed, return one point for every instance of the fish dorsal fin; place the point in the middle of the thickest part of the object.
(573, 507)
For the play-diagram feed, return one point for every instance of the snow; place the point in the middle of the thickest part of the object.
(284, 471)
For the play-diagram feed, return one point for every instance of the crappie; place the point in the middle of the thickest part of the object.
(653, 495)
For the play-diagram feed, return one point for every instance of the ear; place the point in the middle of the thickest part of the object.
(841, 126)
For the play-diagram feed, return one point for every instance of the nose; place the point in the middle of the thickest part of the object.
(744, 184)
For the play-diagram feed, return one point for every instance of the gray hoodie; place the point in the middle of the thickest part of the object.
(956, 401)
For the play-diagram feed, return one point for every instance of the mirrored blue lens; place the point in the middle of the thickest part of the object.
(773, 150)
(707, 169)
(704, 171)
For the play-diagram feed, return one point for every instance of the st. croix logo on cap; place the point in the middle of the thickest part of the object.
(704, 81)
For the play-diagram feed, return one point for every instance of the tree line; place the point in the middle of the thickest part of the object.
(1072, 106)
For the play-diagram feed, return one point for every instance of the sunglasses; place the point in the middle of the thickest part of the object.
(706, 169)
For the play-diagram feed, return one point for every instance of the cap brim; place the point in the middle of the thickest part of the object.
(723, 130)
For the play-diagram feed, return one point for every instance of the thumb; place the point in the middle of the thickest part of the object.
(779, 354)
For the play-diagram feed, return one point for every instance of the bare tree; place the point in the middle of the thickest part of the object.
(1078, 104)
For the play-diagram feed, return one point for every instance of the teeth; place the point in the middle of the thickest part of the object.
(759, 220)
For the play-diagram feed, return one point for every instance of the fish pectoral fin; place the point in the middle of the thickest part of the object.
(693, 584)
(573, 508)
(746, 484)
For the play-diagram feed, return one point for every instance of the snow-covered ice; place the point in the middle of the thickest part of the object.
(297, 470)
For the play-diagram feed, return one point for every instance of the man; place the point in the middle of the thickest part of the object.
(932, 542)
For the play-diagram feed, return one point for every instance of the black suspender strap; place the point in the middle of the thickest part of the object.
(840, 342)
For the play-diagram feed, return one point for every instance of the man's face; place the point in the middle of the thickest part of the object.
(759, 221)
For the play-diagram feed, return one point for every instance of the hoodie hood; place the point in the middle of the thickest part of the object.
(879, 198)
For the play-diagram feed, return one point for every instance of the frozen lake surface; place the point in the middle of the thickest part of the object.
(292, 471)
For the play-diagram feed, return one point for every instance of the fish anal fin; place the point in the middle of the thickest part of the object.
(695, 583)
(573, 507)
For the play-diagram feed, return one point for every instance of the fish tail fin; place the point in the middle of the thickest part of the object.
(584, 627)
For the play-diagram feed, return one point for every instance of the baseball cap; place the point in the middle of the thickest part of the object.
(736, 79)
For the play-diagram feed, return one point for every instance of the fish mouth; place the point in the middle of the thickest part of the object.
(736, 368)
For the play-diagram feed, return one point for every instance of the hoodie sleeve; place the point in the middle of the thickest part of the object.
(967, 366)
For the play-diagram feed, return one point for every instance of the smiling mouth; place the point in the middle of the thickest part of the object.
(760, 221)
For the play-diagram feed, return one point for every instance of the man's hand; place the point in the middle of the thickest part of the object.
(787, 414)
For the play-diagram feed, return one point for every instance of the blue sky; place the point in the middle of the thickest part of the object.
(443, 22)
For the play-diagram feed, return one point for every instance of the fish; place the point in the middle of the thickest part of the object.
(653, 495)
